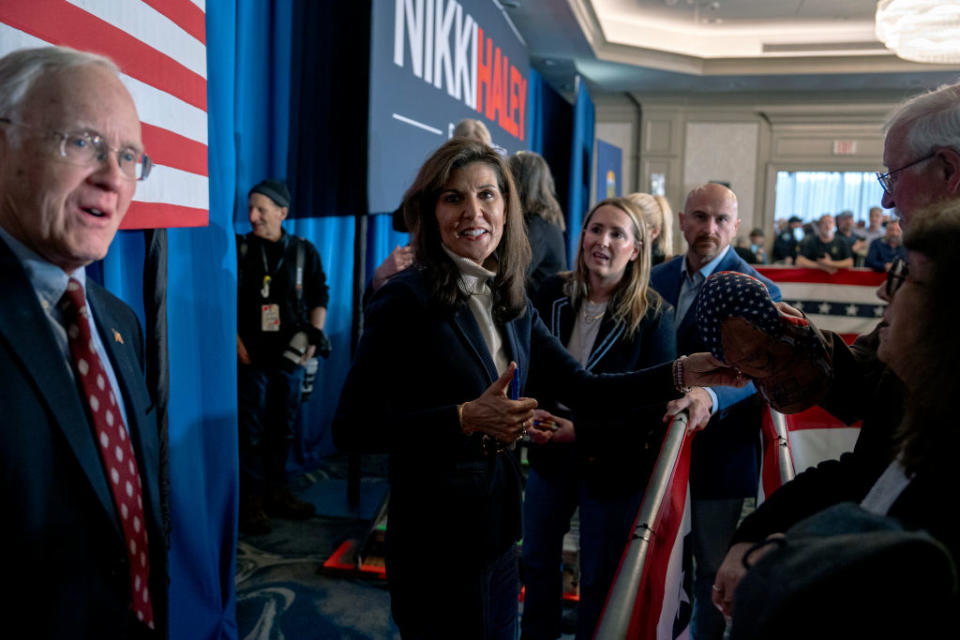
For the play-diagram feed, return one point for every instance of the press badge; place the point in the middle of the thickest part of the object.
(269, 317)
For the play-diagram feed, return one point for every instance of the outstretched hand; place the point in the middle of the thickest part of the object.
(703, 370)
(494, 414)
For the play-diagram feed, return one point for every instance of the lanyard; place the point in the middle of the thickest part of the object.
(265, 286)
(263, 256)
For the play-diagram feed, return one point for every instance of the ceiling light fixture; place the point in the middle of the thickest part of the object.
(921, 30)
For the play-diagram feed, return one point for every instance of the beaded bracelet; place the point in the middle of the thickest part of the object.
(678, 375)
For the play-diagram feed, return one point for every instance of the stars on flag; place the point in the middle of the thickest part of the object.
(836, 308)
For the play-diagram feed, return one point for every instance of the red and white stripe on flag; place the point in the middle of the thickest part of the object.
(845, 302)
(813, 436)
(664, 598)
(771, 462)
(160, 47)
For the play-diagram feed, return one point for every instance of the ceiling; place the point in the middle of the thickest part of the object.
(693, 47)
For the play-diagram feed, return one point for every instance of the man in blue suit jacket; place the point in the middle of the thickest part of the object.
(725, 459)
(79, 447)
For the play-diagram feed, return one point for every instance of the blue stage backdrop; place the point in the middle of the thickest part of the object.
(581, 165)
(434, 63)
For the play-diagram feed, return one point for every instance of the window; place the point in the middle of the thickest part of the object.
(810, 194)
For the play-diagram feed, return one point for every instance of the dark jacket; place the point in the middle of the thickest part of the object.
(785, 246)
(549, 253)
(882, 252)
(266, 347)
(724, 461)
(617, 458)
(67, 564)
(415, 363)
(421, 361)
(863, 389)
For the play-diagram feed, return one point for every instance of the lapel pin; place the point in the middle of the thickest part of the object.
(117, 337)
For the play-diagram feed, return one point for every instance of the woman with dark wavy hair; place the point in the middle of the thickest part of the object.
(542, 215)
(448, 348)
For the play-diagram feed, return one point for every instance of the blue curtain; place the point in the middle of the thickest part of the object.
(581, 167)
(201, 314)
(536, 95)
(548, 131)
(381, 240)
(333, 238)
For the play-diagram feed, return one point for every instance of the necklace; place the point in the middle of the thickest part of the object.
(593, 311)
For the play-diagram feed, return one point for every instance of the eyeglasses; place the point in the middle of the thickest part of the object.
(888, 179)
(90, 149)
(898, 272)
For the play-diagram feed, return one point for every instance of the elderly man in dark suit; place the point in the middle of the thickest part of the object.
(79, 449)
(725, 464)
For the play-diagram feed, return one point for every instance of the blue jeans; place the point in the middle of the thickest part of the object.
(268, 402)
(605, 528)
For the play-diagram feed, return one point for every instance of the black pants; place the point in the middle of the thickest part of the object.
(269, 400)
(434, 598)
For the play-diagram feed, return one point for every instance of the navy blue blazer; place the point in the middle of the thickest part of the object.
(724, 458)
(617, 458)
(415, 363)
(66, 566)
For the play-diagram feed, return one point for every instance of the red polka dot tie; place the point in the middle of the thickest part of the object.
(116, 452)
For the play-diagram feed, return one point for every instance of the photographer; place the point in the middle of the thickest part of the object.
(281, 308)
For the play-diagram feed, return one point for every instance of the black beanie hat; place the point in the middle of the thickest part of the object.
(276, 190)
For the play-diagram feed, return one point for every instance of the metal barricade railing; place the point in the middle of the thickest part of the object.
(616, 618)
(787, 472)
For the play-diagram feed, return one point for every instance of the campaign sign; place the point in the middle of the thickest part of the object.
(434, 63)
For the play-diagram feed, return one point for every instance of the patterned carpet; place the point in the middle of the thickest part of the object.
(281, 594)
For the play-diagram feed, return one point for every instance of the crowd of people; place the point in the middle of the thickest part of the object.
(832, 242)
(498, 344)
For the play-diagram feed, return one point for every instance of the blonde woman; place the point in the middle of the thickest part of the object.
(658, 216)
(611, 321)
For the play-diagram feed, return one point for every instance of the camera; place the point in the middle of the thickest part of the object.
(294, 351)
(309, 375)
(301, 340)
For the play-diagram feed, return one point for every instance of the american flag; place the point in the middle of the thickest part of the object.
(160, 47)
(846, 303)
(832, 302)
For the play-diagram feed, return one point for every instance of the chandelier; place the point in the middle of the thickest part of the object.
(921, 30)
